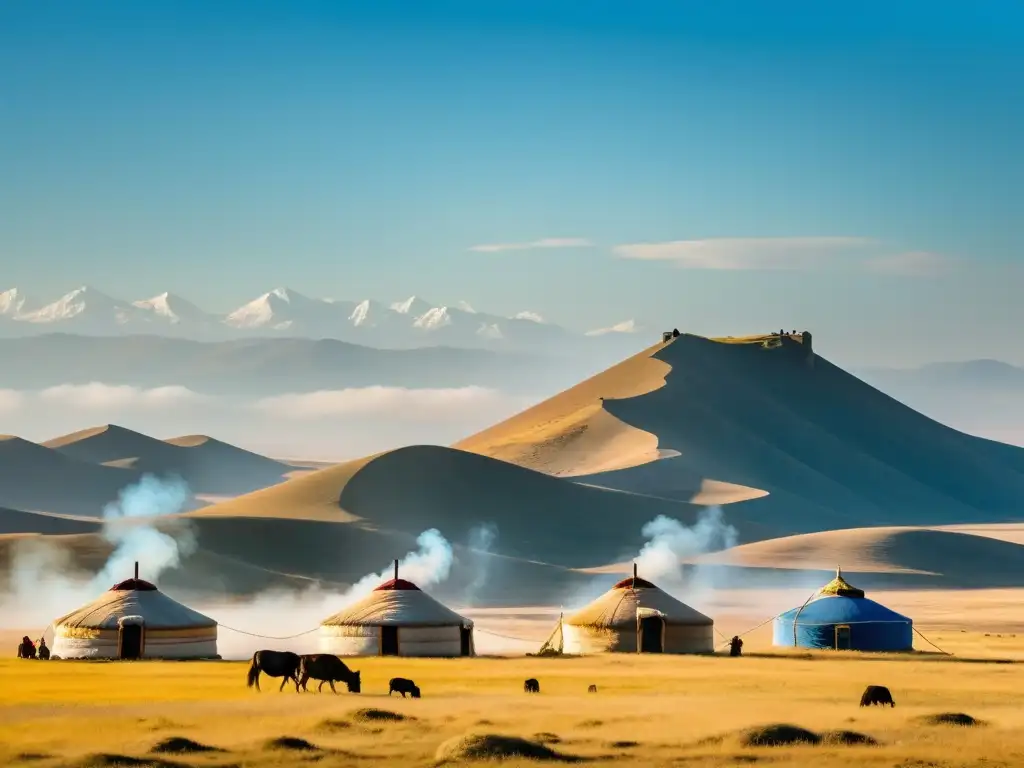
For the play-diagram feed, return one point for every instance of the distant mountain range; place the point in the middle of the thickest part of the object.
(267, 366)
(412, 322)
(980, 375)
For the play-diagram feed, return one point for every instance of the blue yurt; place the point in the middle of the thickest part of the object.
(839, 616)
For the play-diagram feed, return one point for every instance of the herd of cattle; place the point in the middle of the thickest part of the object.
(330, 669)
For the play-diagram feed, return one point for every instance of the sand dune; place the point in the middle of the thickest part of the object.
(945, 557)
(830, 450)
(16, 521)
(34, 477)
(419, 487)
(208, 465)
(790, 443)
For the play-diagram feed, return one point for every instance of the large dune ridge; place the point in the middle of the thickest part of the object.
(209, 466)
(831, 451)
(37, 478)
(933, 557)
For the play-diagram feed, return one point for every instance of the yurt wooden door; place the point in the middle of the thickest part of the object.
(842, 637)
(130, 640)
(652, 634)
(389, 641)
(465, 641)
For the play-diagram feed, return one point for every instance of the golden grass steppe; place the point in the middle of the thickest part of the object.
(647, 711)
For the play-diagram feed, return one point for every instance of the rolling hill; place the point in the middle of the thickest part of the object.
(207, 465)
(35, 477)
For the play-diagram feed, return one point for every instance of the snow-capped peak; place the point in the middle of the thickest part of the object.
(171, 307)
(365, 314)
(432, 319)
(533, 317)
(270, 309)
(13, 303)
(414, 306)
(74, 304)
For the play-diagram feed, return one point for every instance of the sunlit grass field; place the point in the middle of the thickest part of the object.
(648, 710)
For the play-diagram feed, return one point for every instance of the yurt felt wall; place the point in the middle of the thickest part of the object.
(615, 621)
(397, 618)
(170, 630)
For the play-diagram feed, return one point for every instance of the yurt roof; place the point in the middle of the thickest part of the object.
(135, 597)
(617, 607)
(397, 602)
(840, 586)
(838, 609)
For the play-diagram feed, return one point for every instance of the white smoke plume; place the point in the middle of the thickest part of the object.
(291, 613)
(39, 587)
(481, 539)
(670, 544)
(136, 540)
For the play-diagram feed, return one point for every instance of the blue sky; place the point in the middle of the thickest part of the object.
(858, 172)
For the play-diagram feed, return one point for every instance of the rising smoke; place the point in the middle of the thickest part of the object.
(481, 539)
(670, 544)
(40, 588)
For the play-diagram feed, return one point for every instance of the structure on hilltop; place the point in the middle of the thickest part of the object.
(838, 616)
(134, 620)
(397, 619)
(634, 616)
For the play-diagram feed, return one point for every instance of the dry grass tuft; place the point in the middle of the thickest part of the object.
(373, 715)
(777, 735)
(950, 718)
(290, 744)
(847, 739)
(331, 725)
(547, 738)
(179, 745)
(493, 746)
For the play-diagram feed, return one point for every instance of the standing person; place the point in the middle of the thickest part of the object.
(44, 652)
(735, 646)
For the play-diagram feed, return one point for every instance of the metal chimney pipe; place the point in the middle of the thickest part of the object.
(136, 570)
(634, 570)
(396, 570)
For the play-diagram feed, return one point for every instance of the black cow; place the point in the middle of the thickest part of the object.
(531, 686)
(876, 694)
(403, 686)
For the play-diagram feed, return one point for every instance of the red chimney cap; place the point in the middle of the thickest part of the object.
(129, 585)
(634, 582)
(396, 584)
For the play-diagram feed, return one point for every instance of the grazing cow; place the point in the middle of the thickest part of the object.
(327, 669)
(531, 686)
(403, 686)
(876, 694)
(592, 689)
(275, 664)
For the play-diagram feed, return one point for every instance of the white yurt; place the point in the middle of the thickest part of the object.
(397, 619)
(634, 615)
(134, 620)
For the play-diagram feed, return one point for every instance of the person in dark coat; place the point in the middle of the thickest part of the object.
(44, 652)
(735, 646)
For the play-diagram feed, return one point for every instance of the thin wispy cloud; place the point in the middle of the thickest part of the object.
(626, 326)
(789, 253)
(746, 253)
(547, 242)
